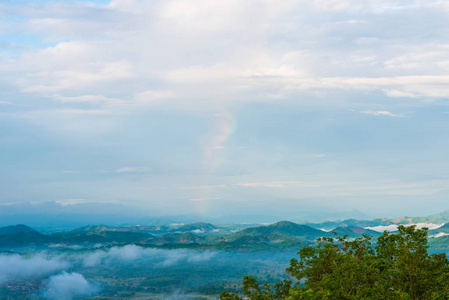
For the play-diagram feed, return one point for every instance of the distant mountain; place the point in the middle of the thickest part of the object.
(20, 235)
(20, 239)
(444, 228)
(94, 228)
(289, 229)
(15, 229)
(198, 226)
(330, 216)
(100, 237)
(353, 232)
(439, 218)
(176, 238)
(361, 223)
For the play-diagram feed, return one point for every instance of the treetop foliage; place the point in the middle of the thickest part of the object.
(397, 266)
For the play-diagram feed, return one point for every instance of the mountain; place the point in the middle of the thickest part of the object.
(289, 229)
(20, 239)
(444, 228)
(361, 223)
(15, 229)
(175, 238)
(439, 218)
(353, 232)
(20, 235)
(94, 228)
(100, 237)
(198, 226)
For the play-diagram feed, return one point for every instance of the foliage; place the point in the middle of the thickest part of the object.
(398, 266)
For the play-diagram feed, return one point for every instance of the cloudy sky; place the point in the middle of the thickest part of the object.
(221, 107)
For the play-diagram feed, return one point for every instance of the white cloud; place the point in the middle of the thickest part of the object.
(130, 253)
(116, 51)
(203, 199)
(381, 113)
(16, 267)
(394, 227)
(66, 202)
(67, 286)
(132, 170)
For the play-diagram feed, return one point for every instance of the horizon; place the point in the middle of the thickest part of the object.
(298, 109)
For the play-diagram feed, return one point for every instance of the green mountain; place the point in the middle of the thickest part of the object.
(444, 228)
(15, 229)
(22, 238)
(94, 228)
(204, 227)
(289, 229)
(353, 232)
(439, 218)
(178, 238)
(100, 237)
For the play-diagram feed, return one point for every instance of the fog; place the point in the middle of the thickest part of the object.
(16, 267)
(65, 273)
(66, 286)
(131, 253)
(63, 270)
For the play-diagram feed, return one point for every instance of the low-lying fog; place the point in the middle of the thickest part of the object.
(68, 273)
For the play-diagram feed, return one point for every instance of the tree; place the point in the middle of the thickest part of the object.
(397, 266)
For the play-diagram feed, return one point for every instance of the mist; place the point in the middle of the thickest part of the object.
(16, 267)
(66, 286)
(130, 253)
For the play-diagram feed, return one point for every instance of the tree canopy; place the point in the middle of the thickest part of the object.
(396, 266)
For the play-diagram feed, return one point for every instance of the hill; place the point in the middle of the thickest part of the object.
(178, 238)
(353, 232)
(288, 229)
(15, 229)
(198, 226)
(22, 238)
(94, 228)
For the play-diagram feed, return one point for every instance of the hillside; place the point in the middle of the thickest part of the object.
(94, 228)
(289, 229)
(15, 229)
(183, 238)
(353, 232)
(198, 226)
(23, 238)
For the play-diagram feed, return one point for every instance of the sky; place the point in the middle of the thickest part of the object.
(225, 107)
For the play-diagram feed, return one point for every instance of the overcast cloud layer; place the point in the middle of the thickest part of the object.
(218, 107)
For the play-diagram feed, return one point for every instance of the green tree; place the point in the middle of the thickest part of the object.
(397, 266)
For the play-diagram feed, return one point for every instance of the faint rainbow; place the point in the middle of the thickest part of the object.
(213, 157)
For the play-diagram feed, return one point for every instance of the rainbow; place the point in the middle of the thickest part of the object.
(213, 157)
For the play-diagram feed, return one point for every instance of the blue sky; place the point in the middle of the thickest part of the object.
(224, 107)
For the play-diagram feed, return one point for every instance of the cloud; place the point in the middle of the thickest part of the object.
(203, 199)
(108, 54)
(132, 170)
(174, 257)
(394, 227)
(66, 202)
(67, 286)
(381, 113)
(130, 253)
(17, 267)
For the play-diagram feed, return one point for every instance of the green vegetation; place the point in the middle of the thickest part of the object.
(398, 266)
